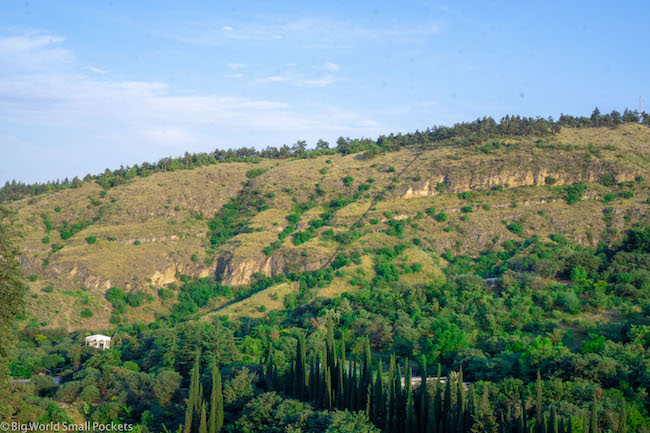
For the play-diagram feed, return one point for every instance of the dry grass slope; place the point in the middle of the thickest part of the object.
(152, 230)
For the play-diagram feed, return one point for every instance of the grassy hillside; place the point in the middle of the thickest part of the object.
(299, 214)
(517, 267)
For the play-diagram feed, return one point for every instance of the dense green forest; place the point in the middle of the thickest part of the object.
(496, 321)
(472, 132)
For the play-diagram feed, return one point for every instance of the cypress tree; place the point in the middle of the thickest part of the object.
(193, 404)
(197, 411)
(409, 409)
(431, 418)
(486, 413)
(310, 382)
(585, 424)
(471, 417)
(196, 381)
(552, 423)
(447, 411)
(324, 371)
(187, 424)
(328, 389)
(203, 425)
(368, 400)
(303, 369)
(300, 370)
(366, 377)
(447, 408)
(560, 428)
(390, 394)
(378, 401)
(329, 345)
(314, 387)
(340, 395)
(346, 369)
(424, 395)
(289, 384)
(399, 401)
(460, 403)
(569, 425)
(437, 394)
(356, 392)
(216, 401)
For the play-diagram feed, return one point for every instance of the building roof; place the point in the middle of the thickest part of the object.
(98, 337)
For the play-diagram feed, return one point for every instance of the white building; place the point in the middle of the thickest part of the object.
(99, 341)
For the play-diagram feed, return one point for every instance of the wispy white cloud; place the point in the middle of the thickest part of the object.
(319, 82)
(75, 122)
(33, 52)
(97, 70)
(332, 67)
(274, 79)
(28, 43)
(299, 79)
(429, 104)
(237, 66)
(314, 32)
(237, 75)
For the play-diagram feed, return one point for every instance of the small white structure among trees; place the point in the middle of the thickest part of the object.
(99, 341)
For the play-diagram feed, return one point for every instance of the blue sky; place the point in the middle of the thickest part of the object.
(86, 85)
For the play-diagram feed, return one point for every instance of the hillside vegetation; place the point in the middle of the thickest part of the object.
(300, 290)
(236, 222)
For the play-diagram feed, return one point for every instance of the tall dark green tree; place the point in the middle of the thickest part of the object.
(192, 413)
(432, 426)
(410, 421)
(424, 395)
(379, 400)
(392, 396)
(203, 424)
(400, 401)
(460, 403)
(300, 375)
(553, 421)
(437, 393)
(216, 401)
(448, 408)
(328, 392)
(366, 378)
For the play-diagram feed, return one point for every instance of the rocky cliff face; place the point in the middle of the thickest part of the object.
(468, 178)
(237, 271)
